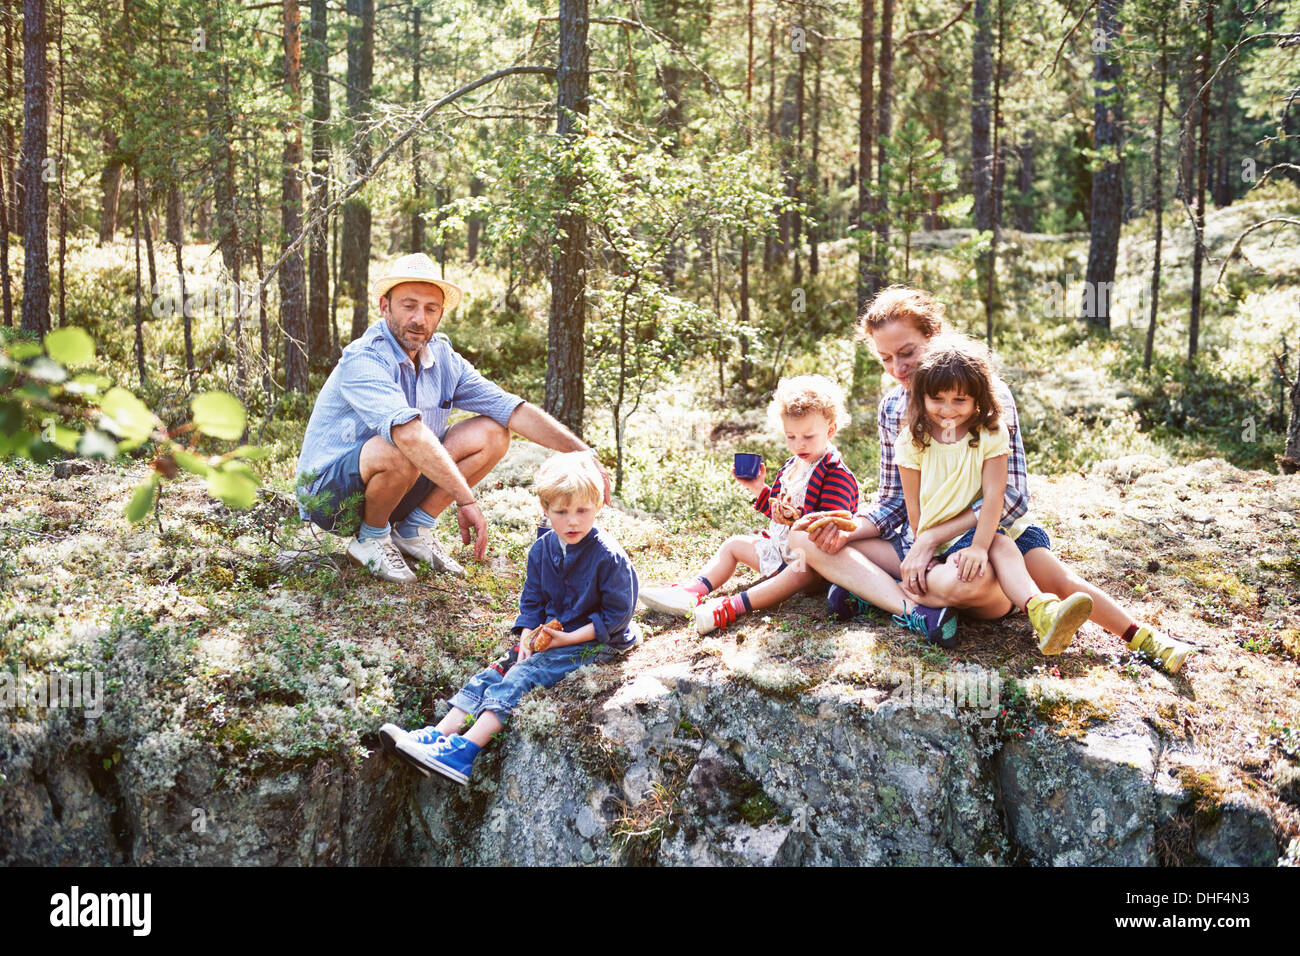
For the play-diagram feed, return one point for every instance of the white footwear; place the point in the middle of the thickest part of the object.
(670, 600)
(382, 558)
(425, 547)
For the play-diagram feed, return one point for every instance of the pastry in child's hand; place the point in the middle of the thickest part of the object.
(539, 640)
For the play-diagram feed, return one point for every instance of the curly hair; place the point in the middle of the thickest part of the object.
(900, 303)
(804, 394)
(953, 361)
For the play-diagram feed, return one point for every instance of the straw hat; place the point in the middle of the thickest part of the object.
(417, 267)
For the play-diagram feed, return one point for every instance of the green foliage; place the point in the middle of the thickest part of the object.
(34, 387)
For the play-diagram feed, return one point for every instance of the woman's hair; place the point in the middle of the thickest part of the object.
(573, 477)
(953, 361)
(804, 394)
(899, 303)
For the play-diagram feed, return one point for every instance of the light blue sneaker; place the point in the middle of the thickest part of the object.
(938, 625)
(453, 757)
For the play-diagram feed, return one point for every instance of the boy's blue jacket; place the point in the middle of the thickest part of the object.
(591, 581)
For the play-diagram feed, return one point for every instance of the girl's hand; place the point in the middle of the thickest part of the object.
(525, 646)
(971, 561)
(917, 565)
(753, 485)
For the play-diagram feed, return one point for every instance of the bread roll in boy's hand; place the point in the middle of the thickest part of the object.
(785, 511)
(540, 640)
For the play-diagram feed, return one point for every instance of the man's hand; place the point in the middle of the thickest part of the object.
(604, 474)
(470, 517)
(828, 538)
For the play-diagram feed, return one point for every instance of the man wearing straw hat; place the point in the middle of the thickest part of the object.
(378, 449)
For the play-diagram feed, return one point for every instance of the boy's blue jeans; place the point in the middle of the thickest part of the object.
(490, 690)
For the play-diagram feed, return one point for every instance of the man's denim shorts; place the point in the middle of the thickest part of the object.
(1032, 537)
(340, 480)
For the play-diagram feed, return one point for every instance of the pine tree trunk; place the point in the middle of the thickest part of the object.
(1158, 185)
(1107, 184)
(981, 149)
(866, 74)
(1025, 183)
(417, 187)
(12, 38)
(36, 267)
(63, 198)
(475, 222)
(819, 206)
(1291, 457)
(565, 396)
(293, 292)
(6, 291)
(354, 266)
(139, 306)
(110, 187)
(320, 350)
(1202, 167)
(884, 127)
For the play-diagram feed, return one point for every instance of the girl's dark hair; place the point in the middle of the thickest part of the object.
(953, 361)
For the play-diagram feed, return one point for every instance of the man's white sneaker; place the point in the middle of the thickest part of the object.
(425, 547)
(383, 560)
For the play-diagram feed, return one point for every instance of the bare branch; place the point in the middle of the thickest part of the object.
(1237, 245)
(1066, 39)
(912, 35)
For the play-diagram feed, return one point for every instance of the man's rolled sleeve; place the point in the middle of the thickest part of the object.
(476, 394)
(368, 388)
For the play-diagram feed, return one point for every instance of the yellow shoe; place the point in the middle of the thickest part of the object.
(1169, 652)
(1055, 621)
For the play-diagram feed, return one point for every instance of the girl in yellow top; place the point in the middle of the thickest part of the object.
(952, 451)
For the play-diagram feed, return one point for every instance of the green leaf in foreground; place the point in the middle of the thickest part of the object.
(142, 501)
(192, 463)
(219, 414)
(95, 444)
(70, 346)
(132, 416)
(235, 489)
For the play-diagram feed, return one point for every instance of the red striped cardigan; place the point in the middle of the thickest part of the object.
(831, 487)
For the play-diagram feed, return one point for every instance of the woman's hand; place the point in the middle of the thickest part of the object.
(917, 564)
(753, 485)
(971, 561)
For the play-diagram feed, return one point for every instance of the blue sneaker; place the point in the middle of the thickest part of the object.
(938, 625)
(453, 757)
(845, 604)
